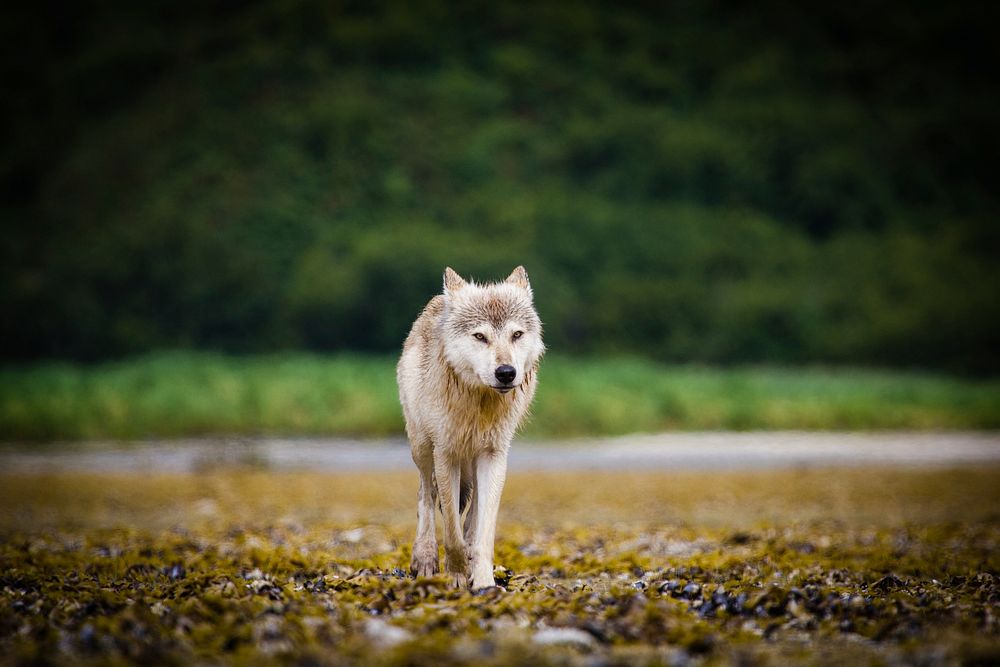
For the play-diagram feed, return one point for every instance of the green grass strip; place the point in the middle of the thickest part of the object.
(176, 394)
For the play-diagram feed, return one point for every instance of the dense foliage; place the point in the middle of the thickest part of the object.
(707, 181)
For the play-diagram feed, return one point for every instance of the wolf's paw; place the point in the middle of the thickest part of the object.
(457, 560)
(424, 568)
(425, 561)
(482, 578)
(458, 580)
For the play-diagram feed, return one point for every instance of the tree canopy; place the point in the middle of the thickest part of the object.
(693, 181)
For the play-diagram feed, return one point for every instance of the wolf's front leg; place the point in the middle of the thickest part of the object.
(456, 556)
(424, 561)
(491, 471)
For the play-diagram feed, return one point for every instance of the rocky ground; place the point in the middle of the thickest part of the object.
(820, 566)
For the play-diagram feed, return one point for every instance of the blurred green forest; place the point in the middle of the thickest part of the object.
(691, 181)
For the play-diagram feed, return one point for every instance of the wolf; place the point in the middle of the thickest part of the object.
(467, 376)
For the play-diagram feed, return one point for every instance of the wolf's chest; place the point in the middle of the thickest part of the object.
(474, 427)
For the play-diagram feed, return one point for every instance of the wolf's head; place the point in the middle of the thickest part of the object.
(492, 335)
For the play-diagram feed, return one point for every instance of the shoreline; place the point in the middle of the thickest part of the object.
(680, 451)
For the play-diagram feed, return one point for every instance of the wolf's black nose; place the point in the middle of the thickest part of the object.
(506, 374)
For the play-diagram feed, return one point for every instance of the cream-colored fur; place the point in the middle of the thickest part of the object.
(460, 418)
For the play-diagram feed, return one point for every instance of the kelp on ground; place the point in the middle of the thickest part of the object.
(748, 568)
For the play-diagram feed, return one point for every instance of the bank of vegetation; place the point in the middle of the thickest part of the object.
(692, 182)
(196, 394)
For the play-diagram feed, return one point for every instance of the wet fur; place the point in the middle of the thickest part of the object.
(459, 426)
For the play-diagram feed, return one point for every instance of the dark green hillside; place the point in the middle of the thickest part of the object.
(714, 182)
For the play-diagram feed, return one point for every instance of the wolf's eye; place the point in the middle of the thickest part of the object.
(480, 337)
(517, 334)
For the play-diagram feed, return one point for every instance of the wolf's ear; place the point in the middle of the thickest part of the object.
(452, 281)
(519, 277)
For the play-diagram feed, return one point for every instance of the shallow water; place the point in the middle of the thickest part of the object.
(668, 451)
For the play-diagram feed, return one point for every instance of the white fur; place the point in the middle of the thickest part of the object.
(460, 419)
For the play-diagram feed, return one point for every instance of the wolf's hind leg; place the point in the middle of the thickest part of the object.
(449, 482)
(424, 561)
(468, 504)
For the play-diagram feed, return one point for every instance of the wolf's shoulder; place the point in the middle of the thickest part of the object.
(433, 308)
(426, 323)
(430, 314)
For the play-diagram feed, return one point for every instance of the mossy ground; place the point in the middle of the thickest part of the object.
(253, 567)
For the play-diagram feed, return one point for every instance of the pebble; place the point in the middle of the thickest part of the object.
(691, 590)
(563, 636)
(671, 586)
(384, 635)
(352, 536)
